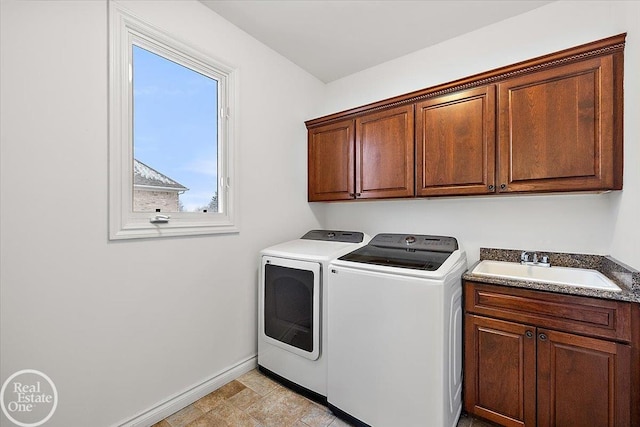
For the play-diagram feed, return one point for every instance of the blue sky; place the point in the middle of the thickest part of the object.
(176, 124)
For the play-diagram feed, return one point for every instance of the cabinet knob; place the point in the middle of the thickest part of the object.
(492, 187)
(543, 337)
(503, 186)
(357, 194)
(529, 334)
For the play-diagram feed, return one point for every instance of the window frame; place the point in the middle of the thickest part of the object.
(125, 31)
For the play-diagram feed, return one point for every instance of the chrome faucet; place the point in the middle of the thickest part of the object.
(540, 261)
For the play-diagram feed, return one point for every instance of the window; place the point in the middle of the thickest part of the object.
(170, 136)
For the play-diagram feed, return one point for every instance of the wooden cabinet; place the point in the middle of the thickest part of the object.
(331, 164)
(500, 371)
(582, 381)
(556, 129)
(455, 148)
(371, 156)
(539, 359)
(555, 133)
(385, 153)
(549, 124)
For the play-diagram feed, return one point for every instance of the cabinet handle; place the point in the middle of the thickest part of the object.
(492, 187)
(543, 337)
(503, 186)
(529, 334)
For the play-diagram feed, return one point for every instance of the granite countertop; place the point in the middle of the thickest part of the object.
(625, 277)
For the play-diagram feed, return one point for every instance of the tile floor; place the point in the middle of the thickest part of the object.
(254, 400)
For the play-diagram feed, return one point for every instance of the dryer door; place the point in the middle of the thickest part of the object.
(290, 305)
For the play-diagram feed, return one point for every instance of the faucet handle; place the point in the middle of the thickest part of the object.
(544, 259)
(524, 256)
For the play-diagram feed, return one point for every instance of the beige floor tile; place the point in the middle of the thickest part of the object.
(210, 401)
(232, 388)
(258, 382)
(294, 402)
(234, 416)
(278, 409)
(209, 420)
(184, 416)
(270, 414)
(254, 400)
(244, 399)
(317, 416)
(254, 373)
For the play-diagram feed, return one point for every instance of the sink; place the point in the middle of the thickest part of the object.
(578, 277)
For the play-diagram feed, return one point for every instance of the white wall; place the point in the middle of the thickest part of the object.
(589, 223)
(122, 326)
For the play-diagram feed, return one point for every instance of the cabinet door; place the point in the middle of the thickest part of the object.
(500, 371)
(582, 381)
(385, 154)
(556, 129)
(456, 143)
(331, 161)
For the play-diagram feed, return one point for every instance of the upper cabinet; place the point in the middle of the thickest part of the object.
(556, 129)
(385, 154)
(371, 156)
(331, 161)
(549, 124)
(455, 144)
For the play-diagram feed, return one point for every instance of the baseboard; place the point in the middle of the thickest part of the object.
(185, 398)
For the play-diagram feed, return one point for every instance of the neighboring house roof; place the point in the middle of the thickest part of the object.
(148, 178)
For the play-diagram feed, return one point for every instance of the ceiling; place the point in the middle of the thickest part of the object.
(334, 38)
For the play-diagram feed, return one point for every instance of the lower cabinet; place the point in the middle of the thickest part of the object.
(500, 371)
(582, 381)
(519, 371)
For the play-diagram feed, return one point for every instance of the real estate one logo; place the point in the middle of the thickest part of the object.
(28, 398)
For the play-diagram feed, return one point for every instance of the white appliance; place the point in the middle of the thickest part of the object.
(395, 332)
(292, 310)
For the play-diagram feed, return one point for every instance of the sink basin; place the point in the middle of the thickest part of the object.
(578, 277)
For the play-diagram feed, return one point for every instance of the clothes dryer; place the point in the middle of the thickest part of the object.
(292, 309)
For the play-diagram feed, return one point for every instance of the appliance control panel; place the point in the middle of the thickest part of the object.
(335, 236)
(418, 242)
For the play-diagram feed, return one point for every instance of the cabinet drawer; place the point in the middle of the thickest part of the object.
(589, 316)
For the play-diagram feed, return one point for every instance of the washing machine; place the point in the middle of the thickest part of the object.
(395, 332)
(292, 309)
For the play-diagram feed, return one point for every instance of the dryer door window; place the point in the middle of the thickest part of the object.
(291, 305)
